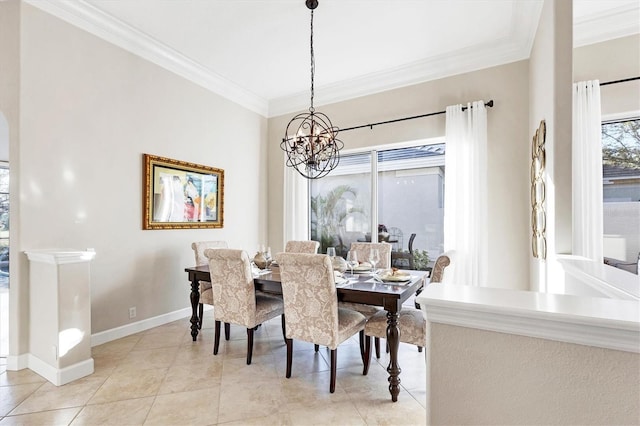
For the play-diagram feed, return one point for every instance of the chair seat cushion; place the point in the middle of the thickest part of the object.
(349, 323)
(206, 293)
(412, 324)
(267, 307)
(366, 310)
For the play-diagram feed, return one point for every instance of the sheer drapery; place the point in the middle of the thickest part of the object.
(586, 152)
(296, 205)
(465, 199)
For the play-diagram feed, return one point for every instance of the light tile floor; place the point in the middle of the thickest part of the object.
(162, 377)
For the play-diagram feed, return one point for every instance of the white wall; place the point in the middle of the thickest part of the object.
(508, 144)
(609, 61)
(89, 111)
(485, 377)
(550, 76)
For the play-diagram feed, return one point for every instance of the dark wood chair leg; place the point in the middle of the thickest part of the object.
(361, 340)
(334, 358)
(289, 343)
(377, 345)
(316, 347)
(200, 315)
(367, 355)
(249, 345)
(227, 330)
(284, 329)
(419, 348)
(216, 338)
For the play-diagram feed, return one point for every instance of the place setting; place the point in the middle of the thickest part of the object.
(392, 275)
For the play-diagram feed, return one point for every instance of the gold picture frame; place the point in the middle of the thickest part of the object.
(181, 195)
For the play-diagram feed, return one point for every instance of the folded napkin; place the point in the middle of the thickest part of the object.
(257, 271)
(339, 279)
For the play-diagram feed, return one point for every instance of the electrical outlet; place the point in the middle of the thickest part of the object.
(132, 312)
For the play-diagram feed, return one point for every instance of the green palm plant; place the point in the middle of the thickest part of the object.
(328, 214)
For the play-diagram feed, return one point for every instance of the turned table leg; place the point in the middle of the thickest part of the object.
(393, 340)
(195, 300)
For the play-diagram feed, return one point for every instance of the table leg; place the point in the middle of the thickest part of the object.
(393, 340)
(195, 299)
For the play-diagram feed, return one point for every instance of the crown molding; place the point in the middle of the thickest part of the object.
(515, 46)
(91, 19)
(618, 22)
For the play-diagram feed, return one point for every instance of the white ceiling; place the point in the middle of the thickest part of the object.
(256, 52)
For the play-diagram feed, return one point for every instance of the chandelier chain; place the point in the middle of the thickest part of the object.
(310, 141)
(313, 64)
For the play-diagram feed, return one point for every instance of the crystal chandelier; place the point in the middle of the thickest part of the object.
(310, 139)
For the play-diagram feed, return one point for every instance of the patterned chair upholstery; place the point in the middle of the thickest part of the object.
(384, 249)
(311, 308)
(206, 295)
(412, 323)
(234, 295)
(305, 246)
(362, 250)
(443, 268)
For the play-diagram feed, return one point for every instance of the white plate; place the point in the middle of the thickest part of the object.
(395, 278)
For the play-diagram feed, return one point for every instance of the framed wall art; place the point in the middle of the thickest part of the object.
(538, 193)
(181, 195)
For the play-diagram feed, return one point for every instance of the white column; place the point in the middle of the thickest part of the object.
(60, 314)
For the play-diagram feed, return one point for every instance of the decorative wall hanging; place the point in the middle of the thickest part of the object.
(538, 193)
(181, 195)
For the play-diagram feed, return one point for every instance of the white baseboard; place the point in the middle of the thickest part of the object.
(136, 327)
(54, 375)
(17, 362)
(60, 376)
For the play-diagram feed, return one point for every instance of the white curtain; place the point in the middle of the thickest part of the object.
(465, 192)
(296, 205)
(586, 155)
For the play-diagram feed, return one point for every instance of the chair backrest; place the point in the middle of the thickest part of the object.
(443, 268)
(234, 294)
(200, 246)
(363, 250)
(304, 246)
(411, 238)
(310, 298)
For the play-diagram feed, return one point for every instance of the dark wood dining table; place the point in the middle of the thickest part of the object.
(361, 288)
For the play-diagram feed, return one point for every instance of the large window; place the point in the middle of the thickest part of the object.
(405, 198)
(621, 192)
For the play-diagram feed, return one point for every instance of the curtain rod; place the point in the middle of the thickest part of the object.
(488, 104)
(619, 81)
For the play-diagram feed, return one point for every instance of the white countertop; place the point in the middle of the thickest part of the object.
(603, 322)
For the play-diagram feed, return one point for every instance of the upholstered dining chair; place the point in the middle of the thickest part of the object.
(411, 321)
(302, 246)
(206, 295)
(363, 250)
(311, 308)
(384, 249)
(235, 298)
(443, 270)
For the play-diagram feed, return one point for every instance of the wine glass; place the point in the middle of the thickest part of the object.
(374, 258)
(352, 259)
(331, 252)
